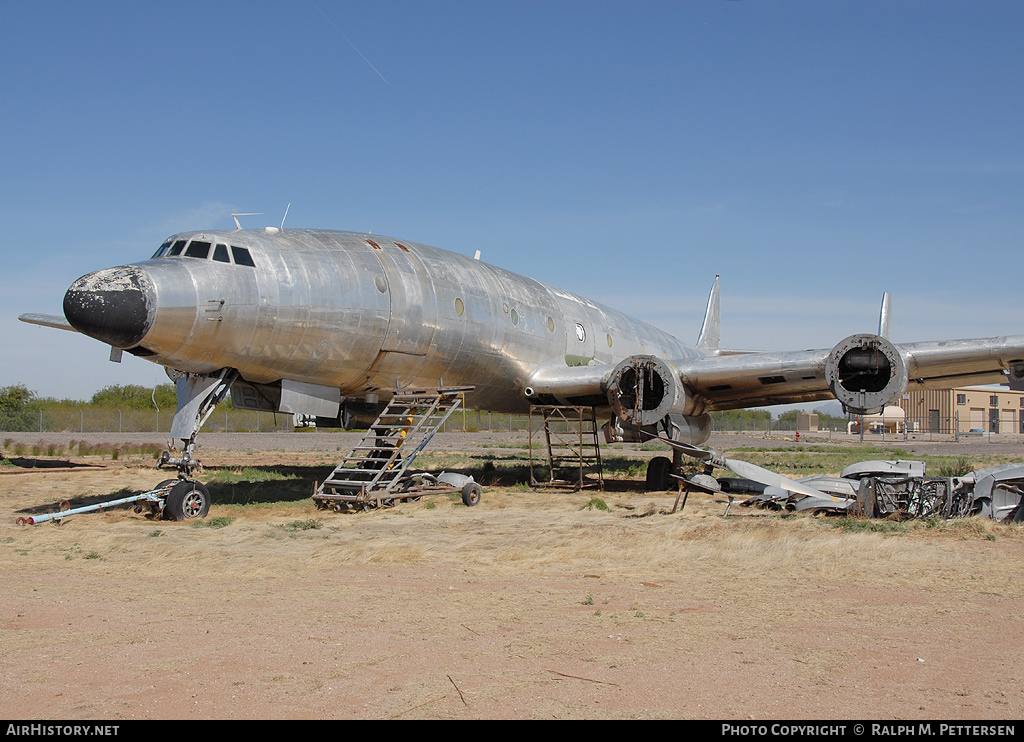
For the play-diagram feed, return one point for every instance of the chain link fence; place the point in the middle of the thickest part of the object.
(92, 420)
(1004, 423)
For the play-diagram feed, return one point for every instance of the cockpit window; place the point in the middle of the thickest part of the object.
(198, 249)
(205, 250)
(242, 256)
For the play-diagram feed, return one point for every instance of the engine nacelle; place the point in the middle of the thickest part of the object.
(865, 372)
(642, 390)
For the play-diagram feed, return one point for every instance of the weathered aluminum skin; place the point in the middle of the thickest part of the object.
(365, 313)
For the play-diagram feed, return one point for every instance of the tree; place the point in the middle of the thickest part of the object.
(16, 411)
(135, 397)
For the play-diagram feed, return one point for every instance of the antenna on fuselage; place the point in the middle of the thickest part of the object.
(285, 214)
(248, 213)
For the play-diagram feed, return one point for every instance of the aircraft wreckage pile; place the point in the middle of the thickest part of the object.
(898, 490)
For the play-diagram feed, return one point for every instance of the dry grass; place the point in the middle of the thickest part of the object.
(369, 614)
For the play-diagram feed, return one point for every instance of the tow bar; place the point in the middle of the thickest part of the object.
(155, 497)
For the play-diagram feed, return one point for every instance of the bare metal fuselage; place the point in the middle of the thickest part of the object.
(364, 313)
(327, 323)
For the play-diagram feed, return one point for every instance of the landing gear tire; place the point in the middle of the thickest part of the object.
(187, 500)
(471, 494)
(658, 471)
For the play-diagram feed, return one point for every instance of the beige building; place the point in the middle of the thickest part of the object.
(985, 409)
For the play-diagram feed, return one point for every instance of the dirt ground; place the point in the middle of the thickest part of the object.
(529, 605)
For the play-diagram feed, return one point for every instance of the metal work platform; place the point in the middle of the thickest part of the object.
(574, 451)
(375, 472)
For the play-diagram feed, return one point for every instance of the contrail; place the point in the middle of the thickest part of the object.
(349, 41)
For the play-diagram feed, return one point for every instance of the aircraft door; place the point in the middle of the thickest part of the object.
(413, 302)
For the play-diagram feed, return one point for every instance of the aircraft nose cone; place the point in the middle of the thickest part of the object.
(114, 305)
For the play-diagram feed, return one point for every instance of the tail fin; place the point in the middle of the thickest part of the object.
(708, 338)
(885, 317)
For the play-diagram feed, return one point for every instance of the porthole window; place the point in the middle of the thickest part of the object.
(551, 328)
(460, 308)
(515, 317)
(609, 340)
(581, 334)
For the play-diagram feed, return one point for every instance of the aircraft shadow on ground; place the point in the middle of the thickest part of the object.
(29, 463)
(261, 485)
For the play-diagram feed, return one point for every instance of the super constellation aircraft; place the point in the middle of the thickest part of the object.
(329, 324)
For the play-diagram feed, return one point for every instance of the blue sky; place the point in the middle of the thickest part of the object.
(813, 153)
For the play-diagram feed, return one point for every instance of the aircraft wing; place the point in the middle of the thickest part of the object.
(48, 320)
(864, 372)
(858, 364)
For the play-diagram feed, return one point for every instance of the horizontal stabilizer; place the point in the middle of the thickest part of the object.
(48, 320)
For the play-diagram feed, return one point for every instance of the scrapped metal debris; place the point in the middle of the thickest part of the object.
(900, 489)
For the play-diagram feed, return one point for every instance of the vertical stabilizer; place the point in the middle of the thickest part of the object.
(708, 339)
(885, 317)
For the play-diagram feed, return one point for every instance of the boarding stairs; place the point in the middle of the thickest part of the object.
(572, 445)
(375, 471)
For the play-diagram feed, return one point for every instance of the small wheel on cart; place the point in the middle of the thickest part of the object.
(471, 494)
(187, 500)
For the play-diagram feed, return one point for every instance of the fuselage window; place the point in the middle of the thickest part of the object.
(177, 248)
(163, 248)
(242, 256)
(198, 249)
(220, 254)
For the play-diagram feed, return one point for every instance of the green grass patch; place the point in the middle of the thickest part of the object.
(303, 525)
(249, 474)
(864, 525)
(596, 503)
(219, 522)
